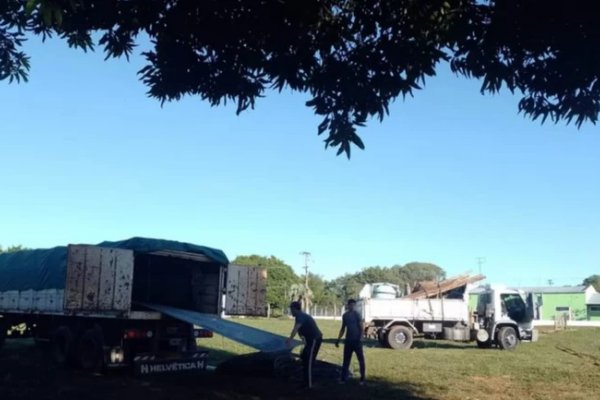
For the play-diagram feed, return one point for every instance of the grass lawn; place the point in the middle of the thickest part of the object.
(561, 365)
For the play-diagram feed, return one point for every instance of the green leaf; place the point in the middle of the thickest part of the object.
(30, 6)
(358, 141)
(47, 15)
(58, 17)
(323, 125)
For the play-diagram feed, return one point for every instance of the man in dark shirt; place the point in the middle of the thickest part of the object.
(306, 326)
(352, 325)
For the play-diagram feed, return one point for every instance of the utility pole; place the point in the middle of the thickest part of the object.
(306, 255)
(306, 296)
(480, 262)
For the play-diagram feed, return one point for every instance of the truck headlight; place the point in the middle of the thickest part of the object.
(483, 335)
(117, 356)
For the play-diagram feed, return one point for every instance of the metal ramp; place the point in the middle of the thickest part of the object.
(256, 338)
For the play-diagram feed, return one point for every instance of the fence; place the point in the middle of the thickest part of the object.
(569, 323)
(321, 312)
(327, 312)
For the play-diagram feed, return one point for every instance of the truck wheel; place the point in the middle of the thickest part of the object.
(60, 345)
(90, 350)
(400, 337)
(507, 338)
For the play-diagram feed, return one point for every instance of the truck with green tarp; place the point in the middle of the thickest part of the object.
(96, 305)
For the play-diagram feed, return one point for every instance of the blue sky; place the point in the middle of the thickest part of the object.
(451, 175)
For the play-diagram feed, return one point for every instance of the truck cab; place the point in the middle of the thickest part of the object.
(504, 317)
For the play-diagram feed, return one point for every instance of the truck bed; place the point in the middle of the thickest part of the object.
(415, 310)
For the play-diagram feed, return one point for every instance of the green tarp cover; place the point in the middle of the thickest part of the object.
(46, 268)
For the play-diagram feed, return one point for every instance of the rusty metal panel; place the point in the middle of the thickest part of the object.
(246, 292)
(98, 279)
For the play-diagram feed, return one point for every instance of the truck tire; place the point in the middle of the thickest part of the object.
(507, 338)
(90, 350)
(400, 337)
(61, 345)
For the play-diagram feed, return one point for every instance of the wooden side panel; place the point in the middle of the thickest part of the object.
(246, 292)
(75, 275)
(108, 271)
(98, 279)
(123, 279)
(91, 278)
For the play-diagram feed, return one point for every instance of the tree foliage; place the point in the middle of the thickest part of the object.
(349, 285)
(593, 280)
(414, 272)
(280, 279)
(352, 57)
(12, 249)
(322, 295)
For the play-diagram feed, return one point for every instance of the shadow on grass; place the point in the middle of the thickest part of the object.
(443, 344)
(370, 343)
(26, 373)
(418, 344)
(324, 389)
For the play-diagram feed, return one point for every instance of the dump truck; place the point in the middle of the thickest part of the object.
(502, 319)
(131, 303)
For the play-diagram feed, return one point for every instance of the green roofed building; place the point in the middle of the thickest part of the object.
(579, 303)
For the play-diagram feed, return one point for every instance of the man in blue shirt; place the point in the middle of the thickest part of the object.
(352, 325)
(306, 326)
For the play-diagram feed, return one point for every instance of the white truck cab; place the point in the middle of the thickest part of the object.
(504, 317)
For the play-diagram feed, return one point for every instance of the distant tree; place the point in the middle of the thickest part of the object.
(317, 285)
(324, 294)
(414, 272)
(593, 280)
(280, 278)
(353, 58)
(349, 285)
(12, 249)
(299, 292)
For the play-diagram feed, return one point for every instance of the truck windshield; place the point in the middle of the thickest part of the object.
(514, 306)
